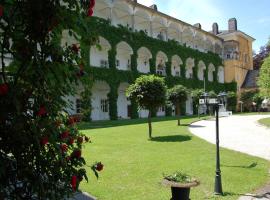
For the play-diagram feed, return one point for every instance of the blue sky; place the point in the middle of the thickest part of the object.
(253, 16)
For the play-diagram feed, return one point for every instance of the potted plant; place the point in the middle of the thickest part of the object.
(180, 184)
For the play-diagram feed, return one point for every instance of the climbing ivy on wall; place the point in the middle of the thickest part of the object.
(114, 77)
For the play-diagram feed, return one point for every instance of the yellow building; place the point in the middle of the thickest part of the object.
(237, 47)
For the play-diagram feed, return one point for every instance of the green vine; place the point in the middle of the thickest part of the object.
(136, 40)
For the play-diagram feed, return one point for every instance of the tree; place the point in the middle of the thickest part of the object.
(231, 101)
(40, 146)
(259, 58)
(264, 78)
(177, 95)
(149, 91)
(196, 95)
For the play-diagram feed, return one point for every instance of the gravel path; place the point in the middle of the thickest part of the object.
(239, 133)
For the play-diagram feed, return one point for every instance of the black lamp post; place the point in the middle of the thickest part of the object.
(215, 102)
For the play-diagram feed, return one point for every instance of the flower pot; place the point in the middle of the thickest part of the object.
(180, 191)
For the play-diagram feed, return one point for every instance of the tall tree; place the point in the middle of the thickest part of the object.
(149, 91)
(40, 146)
(196, 95)
(177, 96)
(263, 53)
(264, 78)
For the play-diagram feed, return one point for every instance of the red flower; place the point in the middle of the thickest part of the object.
(63, 147)
(80, 140)
(74, 182)
(3, 89)
(71, 121)
(90, 9)
(90, 12)
(99, 166)
(71, 140)
(64, 135)
(44, 141)
(1, 10)
(42, 111)
(75, 48)
(77, 153)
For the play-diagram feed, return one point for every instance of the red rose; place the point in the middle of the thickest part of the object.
(80, 140)
(74, 182)
(71, 121)
(77, 153)
(42, 111)
(90, 12)
(3, 89)
(71, 141)
(1, 10)
(75, 48)
(99, 166)
(63, 147)
(92, 3)
(64, 135)
(44, 141)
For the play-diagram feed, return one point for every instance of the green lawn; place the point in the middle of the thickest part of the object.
(265, 122)
(134, 165)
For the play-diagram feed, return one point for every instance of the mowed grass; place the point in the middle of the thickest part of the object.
(265, 122)
(133, 165)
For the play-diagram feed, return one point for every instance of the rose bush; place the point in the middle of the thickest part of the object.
(40, 146)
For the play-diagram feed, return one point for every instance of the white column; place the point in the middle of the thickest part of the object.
(133, 22)
(151, 28)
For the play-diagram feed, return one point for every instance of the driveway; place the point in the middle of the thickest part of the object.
(239, 133)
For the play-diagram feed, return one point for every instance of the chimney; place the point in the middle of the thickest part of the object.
(232, 24)
(154, 7)
(215, 30)
(198, 25)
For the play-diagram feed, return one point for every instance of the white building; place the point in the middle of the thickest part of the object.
(154, 24)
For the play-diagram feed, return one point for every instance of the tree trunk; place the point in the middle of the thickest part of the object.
(150, 124)
(178, 113)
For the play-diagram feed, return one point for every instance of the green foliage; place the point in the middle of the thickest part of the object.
(40, 146)
(149, 91)
(136, 40)
(178, 177)
(264, 79)
(196, 95)
(250, 97)
(177, 94)
(231, 101)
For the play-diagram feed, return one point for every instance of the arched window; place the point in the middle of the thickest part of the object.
(123, 56)
(144, 55)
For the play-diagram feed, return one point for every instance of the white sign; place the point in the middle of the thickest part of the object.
(201, 101)
(212, 101)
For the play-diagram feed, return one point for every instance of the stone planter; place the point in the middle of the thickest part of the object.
(180, 191)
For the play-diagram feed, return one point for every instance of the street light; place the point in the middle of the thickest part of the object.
(216, 102)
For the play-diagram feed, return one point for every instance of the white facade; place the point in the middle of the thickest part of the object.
(99, 101)
(144, 55)
(99, 53)
(155, 24)
(123, 103)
